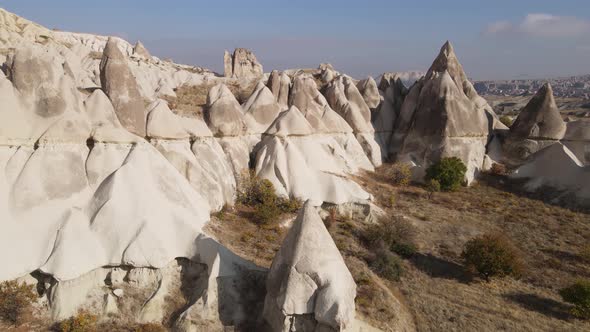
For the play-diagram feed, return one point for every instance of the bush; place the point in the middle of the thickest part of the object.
(506, 120)
(265, 214)
(578, 294)
(16, 300)
(150, 327)
(387, 265)
(399, 174)
(395, 234)
(499, 169)
(82, 322)
(492, 255)
(432, 186)
(449, 172)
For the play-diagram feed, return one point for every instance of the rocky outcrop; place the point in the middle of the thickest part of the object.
(261, 109)
(140, 51)
(309, 287)
(304, 164)
(556, 167)
(384, 118)
(343, 96)
(119, 84)
(577, 139)
(442, 116)
(279, 84)
(370, 92)
(242, 64)
(223, 113)
(537, 126)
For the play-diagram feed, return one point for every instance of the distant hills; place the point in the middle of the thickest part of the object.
(566, 87)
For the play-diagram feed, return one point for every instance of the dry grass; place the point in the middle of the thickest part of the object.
(441, 296)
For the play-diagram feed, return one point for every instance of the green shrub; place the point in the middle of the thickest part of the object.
(399, 174)
(449, 172)
(395, 234)
(432, 186)
(387, 265)
(291, 205)
(578, 294)
(492, 255)
(506, 120)
(267, 213)
(16, 300)
(82, 322)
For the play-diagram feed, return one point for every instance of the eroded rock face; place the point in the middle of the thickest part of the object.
(120, 86)
(224, 114)
(242, 64)
(442, 116)
(303, 164)
(139, 50)
(577, 139)
(279, 84)
(370, 92)
(309, 287)
(384, 118)
(261, 109)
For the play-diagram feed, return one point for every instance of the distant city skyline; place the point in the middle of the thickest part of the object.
(497, 40)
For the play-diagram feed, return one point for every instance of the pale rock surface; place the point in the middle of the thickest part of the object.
(261, 109)
(309, 287)
(243, 64)
(537, 126)
(385, 116)
(577, 139)
(557, 167)
(279, 84)
(139, 50)
(442, 116)
(121, 87)
(224, 114)
(307, 166)
(370, 92)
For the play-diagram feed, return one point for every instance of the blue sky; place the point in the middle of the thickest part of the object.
(493, 39)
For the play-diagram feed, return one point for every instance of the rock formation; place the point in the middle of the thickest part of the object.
(261, 109)
(346, 100)
(577, 139)
(118, 83)
(538, 125)
(279, 84)
(370, 92)
(305, 165)
(139, 50)
(242, 64)
(309, 287)
(556, 167)
(385, 116)
(442, 116)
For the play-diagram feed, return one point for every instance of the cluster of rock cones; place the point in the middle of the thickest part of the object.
(103, 183)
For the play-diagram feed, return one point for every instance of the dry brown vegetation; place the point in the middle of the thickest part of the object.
(439, 293)
(191, 100)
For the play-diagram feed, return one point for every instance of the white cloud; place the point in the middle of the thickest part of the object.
(542, 25)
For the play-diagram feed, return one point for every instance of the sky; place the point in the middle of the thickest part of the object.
(499, 39)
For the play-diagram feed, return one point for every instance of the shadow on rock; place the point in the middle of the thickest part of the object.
(540, 304)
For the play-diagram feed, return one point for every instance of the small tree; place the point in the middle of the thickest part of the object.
(578, 294)
(400, 174)
(395, 234)
(492, 255)
(16, 300)
(387, 265)
(82, 322)
(506, 120)
(449, 172)
(432, 186)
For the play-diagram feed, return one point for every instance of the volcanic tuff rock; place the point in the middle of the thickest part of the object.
(309, 287)
(370, 92)
(242, 64)
(442, 116)
(343, 96)
(279, 84)
(557, 167)
(261, 109)
(385, 116)
(577, 139)
(305, 165)
(140, 51)
(538, 125)
(119, 84)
